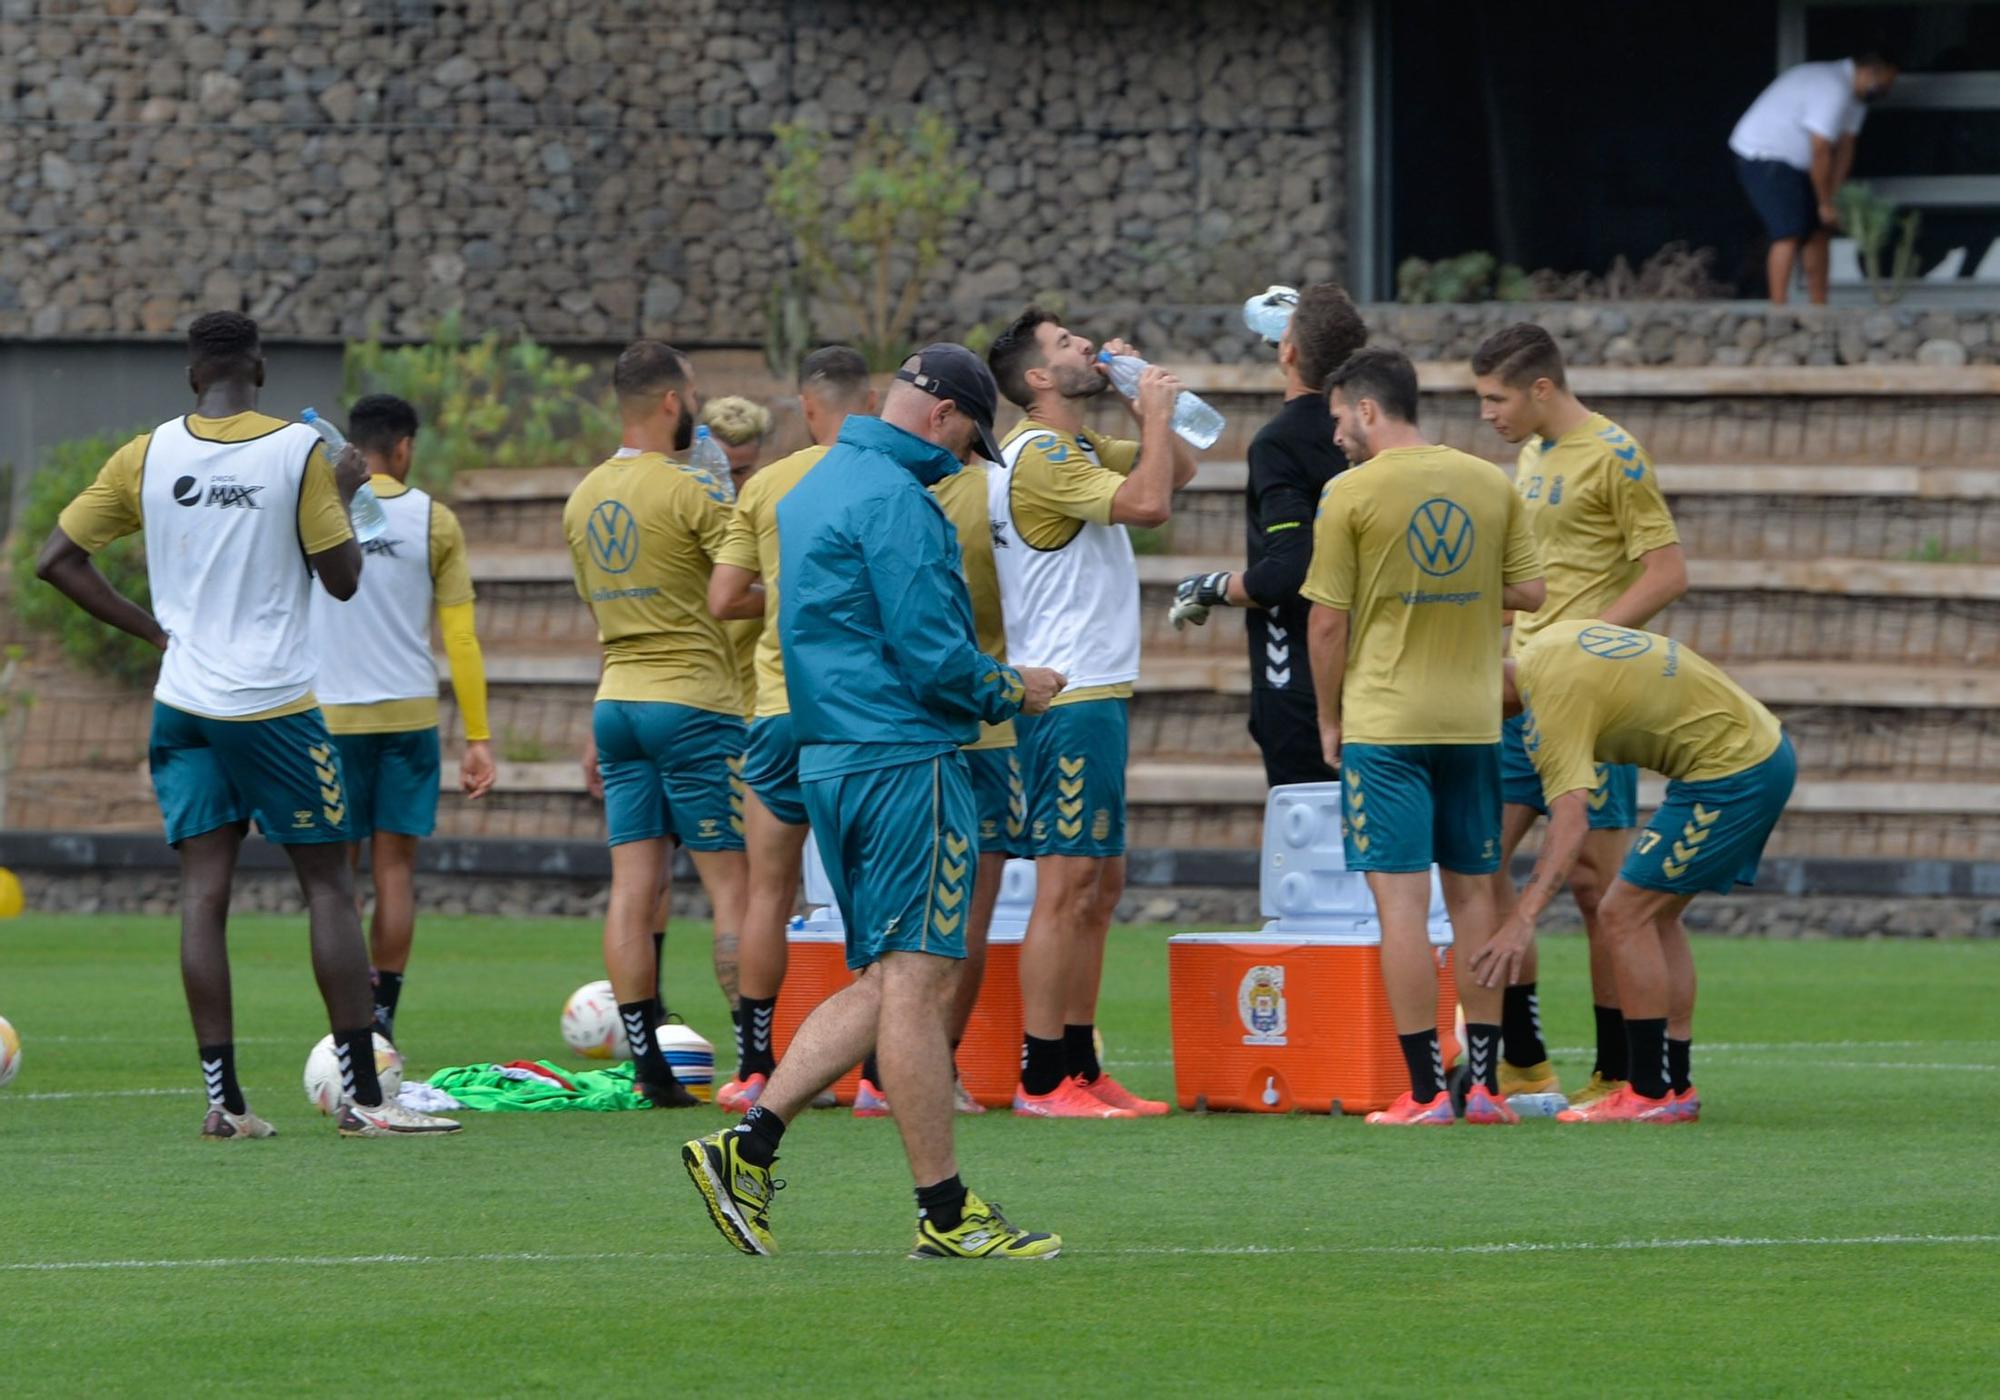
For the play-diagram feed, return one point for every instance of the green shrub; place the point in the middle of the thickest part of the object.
(66, 470)
(492, 402)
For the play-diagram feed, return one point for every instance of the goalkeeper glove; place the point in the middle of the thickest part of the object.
(1195, 595)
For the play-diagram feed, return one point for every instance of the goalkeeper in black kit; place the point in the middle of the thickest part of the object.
(1291, 460)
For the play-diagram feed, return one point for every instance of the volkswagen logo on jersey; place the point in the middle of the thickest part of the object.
(1614, 643)
(614, 537)
(187, 491)
(1440, 537)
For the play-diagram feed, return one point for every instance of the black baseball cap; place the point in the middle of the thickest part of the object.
(948, 371)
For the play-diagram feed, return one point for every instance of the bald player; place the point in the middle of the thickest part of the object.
(1599, 693)
(833, 383)
(643, 529)
(1416, 551)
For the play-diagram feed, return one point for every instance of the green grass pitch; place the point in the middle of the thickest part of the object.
(1831, 1227)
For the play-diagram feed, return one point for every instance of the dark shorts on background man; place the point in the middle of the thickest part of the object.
(1782, 195)
(1285, 726)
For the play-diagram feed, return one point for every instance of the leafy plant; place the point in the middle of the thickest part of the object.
(867, 240)
(16, 700)
(788, 325)
(1870, 219)
(491, 402)
(1467, 277)
(66, 470)
(1677, 272)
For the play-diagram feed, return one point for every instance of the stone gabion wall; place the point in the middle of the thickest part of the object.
(592, 169)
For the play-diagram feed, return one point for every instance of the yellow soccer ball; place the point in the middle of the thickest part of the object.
(12, 901)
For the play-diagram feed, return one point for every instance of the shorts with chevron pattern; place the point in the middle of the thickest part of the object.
(1614, 802)
(284, 772)
(1407, 807)
(670, 770)
(1073, 763)
(1710, 835)
(900, 845)
(1001, 798)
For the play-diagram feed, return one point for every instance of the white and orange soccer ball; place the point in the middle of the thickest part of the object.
(323, 1086)
(10, 1053)
(590, 1023)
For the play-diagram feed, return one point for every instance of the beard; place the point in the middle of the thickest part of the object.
(1074, 382)
(684, 433)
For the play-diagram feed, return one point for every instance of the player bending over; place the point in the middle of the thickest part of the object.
(887, 684)
(378, 684)
(1612, 553)
(1605, 694)
(240, 512)
(833, 383)
(667, 727)
(1416, 551)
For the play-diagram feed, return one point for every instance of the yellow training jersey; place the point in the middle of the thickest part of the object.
(1415, 545)
(752, 543)
(1594, 502)
(745, 635)
(963, 497)
(642, 530)
(1605, 694)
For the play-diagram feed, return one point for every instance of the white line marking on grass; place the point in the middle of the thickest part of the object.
(54, 1095)
(328, 1261)
(1894, 1064)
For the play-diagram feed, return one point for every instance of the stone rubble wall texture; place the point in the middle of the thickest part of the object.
(593, 169)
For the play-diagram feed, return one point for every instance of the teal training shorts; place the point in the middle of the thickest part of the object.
(1710, 835)
(1614, 802)
(670, 770)
(392, 782)
(898, 848)
(1001, 801)
(771, 768)
(212, 773)
(1407, 807)
(1073, 765)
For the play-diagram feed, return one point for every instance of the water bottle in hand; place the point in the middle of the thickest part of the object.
(1195, 423)
(707, 455)
(1270, 311)
(364, 510)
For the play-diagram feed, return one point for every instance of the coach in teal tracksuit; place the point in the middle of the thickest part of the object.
(887, 683)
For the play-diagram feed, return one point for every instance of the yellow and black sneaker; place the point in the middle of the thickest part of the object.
(1598, 1088)
(737, 1193)
(982, 1233)
(1528, 1079)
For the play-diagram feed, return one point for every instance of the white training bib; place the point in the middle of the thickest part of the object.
(376, 646)
(228, 572)
(1074, 608)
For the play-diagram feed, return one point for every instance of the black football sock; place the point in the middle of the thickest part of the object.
(943, 1204)
(356, 1052)
(758, 1057)
(1646, 1053)
(642, 1024)
(1080, 1053)
(1611, 1057)
(388, 991)
(1680, 1065)
(659, 963)
(1425, 1059)
(218, 1072)
(1521, 1027)
(1041, 1065)
(871, 1071)
(758, 1136)
(1481, 1041)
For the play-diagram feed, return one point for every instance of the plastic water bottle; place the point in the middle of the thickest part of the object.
(707, 455)
(1537, 1105)
(1195, 422)
(364, 510)
(1270, 311)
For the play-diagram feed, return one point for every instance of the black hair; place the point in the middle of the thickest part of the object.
(647, 369)
(1379, 373)
(839, 371)
(1326, 328)
(223, 345)
(1015, 351)
(1520, 354)
(380, 421)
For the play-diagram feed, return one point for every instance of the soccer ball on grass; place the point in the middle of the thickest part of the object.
(323, 1087)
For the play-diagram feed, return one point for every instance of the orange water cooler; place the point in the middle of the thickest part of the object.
(989, 1058)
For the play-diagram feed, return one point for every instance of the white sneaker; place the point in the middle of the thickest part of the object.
(223, 1126)
(390, 1120)
(964, 1102)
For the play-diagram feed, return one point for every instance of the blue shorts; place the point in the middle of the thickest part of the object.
(1407, 807)
(1073, 766)
(1000, 799)
(1614, 802)
(392, 782)
(212, 773)
(1782, 195)
(670, 770)
(898, 848)
(771, 768)
(1710, 835)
